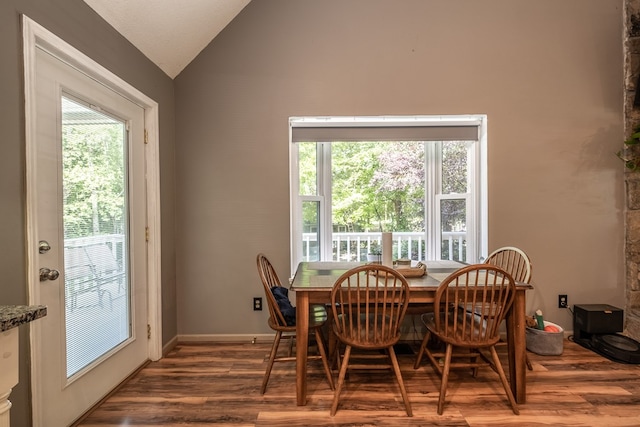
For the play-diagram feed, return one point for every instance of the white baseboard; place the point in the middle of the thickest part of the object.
(248, 338)
(407, 335)
(169, 346)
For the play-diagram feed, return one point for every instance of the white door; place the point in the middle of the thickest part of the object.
(90, 217)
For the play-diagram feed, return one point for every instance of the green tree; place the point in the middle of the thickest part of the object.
(378, 186)
(94, 178)
(353, 193)
(400, 184)
(454, 181)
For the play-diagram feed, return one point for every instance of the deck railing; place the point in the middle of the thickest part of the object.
(115, 242)
(411, 245)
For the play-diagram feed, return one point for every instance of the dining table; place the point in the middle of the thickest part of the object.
(312, 284)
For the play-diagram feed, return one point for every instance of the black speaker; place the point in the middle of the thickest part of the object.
(595, 327)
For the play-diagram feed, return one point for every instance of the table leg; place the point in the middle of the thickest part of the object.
(517, 347)
(302, 345)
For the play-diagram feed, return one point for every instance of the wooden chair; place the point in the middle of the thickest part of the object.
(515, 262)
(491, 290)
(277, 322)
(369, 303)
(512, 260)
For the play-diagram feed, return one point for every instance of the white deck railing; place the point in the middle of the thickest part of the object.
(112, 240)
(115, 242)
(411, 245)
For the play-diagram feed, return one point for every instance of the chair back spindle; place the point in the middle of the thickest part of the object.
(270, 279)
(515, 262)
(489, 289)
(369, 306)
(512, 260)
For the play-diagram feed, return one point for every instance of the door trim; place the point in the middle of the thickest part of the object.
(35, 36)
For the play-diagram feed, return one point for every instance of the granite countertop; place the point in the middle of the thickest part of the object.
(12, 316)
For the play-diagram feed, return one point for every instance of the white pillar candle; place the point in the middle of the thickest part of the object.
(387, 249)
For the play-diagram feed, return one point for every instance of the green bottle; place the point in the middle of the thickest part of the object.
(539, 319)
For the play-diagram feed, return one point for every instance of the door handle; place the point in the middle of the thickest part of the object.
(43, 246)
(48, 274)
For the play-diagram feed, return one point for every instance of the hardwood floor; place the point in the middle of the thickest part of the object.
(206, 384)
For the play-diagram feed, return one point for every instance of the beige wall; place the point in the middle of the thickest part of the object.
(76, 23)
(548, 74)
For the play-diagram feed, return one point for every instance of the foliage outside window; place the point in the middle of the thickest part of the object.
(94, 178)
(365, 188)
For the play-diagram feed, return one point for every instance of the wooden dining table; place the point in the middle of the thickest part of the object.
(312, 284)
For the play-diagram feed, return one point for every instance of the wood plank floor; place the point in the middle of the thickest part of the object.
(206, 384)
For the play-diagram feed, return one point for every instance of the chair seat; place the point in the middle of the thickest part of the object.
(459, 333)
(317, 318)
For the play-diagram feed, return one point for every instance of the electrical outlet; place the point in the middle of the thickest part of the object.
(563, 301)
(257, 304)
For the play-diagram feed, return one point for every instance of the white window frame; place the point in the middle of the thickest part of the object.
(477, 199)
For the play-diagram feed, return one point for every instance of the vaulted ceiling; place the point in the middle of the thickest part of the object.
(170, 33)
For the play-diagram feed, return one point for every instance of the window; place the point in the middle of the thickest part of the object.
(422, 178)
